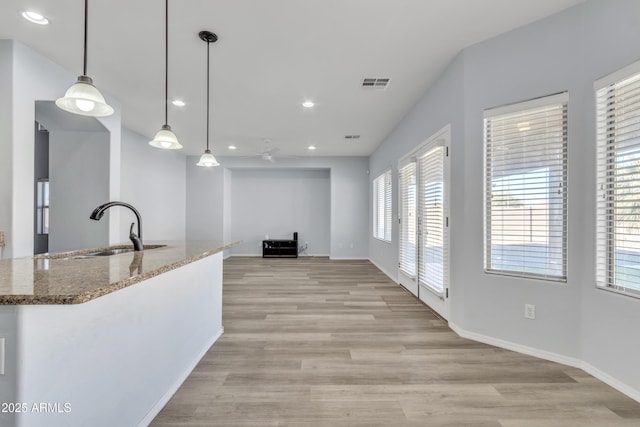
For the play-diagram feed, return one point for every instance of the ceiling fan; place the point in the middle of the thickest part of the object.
(268, 152)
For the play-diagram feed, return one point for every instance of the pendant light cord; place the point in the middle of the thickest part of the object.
(86, 15)
(166, 62)
(208, 43)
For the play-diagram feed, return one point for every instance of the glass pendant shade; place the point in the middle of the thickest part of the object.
(166, 139)
(85, 99)
(207, 160)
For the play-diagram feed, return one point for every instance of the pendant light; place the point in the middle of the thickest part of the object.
(165, 138)
(207, 159)
(83, 97)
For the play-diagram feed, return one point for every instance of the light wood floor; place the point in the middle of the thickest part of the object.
(314, 342)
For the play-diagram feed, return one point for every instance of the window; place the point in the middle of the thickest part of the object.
(423, 231)
(408, 218)
(526, 188)
(42, 207)
(382, 206)
(618, 181)
(432, 219)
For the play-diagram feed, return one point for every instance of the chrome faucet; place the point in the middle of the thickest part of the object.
(135, 239)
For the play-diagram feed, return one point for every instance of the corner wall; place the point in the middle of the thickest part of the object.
(34, 77)
(6, 146)
(349, 198)
(154, 182)
(576, 323)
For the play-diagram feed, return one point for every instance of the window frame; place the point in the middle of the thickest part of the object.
(382, 205)
(607, 150)
(557, 171)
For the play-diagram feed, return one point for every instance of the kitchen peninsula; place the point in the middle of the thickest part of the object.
(105, 340)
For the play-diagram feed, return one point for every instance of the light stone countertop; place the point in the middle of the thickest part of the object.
(58, 278)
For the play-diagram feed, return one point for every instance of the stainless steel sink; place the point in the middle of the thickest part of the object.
(112, 251)
(95, 254)
(107, 252)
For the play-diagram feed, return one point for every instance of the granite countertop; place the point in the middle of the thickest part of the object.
(73, 277)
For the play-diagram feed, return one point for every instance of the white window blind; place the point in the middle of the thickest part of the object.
(431, 272)
(382, 206)
(408, 223)
(618, 191)
(526, 188)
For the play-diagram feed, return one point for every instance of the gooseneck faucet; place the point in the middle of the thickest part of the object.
(136, 240)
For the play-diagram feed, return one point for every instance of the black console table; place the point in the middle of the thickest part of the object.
(280, 248)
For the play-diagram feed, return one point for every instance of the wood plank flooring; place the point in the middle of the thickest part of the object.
(318, 342)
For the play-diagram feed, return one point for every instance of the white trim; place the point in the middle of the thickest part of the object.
(416, 151)
(558, 98)
(346, 258)
(554, 357)
(383, 171)
(617, 76)
(381, 239)
(611, 381)
(155, 410)
(394, 279)
(508, 345)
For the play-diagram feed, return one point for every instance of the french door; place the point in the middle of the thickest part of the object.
(423, 222)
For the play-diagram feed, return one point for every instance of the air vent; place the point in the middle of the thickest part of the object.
(375, 83)
(351, 137)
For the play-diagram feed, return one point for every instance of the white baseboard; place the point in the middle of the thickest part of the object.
(553, 357)
(613, 382)
(347, 258)
(155, 410)
(508, 345)
(391, 276)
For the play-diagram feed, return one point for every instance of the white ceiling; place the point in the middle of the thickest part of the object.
(270, 57)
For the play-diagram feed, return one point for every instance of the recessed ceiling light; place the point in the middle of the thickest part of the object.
(35, 17)
(308, 104)
(232, 147)
(312, 147)
(178, 103)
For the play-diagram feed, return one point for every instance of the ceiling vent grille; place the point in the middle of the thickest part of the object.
(375, 83)
(351, 137)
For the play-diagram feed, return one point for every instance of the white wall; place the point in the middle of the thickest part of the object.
(606, 341)
(34, 77)
(79, 181)
(576, 323)
(6, 146)
(206, 197)
(9, 381)
(277, 203)
(154, 182)
(442, 106)
(349, 198)
(115, 360)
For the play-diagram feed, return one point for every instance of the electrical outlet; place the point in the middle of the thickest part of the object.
(529, 311)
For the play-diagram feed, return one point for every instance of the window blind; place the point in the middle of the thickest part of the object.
(431, 272)
(618, 185)
(526, 188)
(382, 206)
(408, 206)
